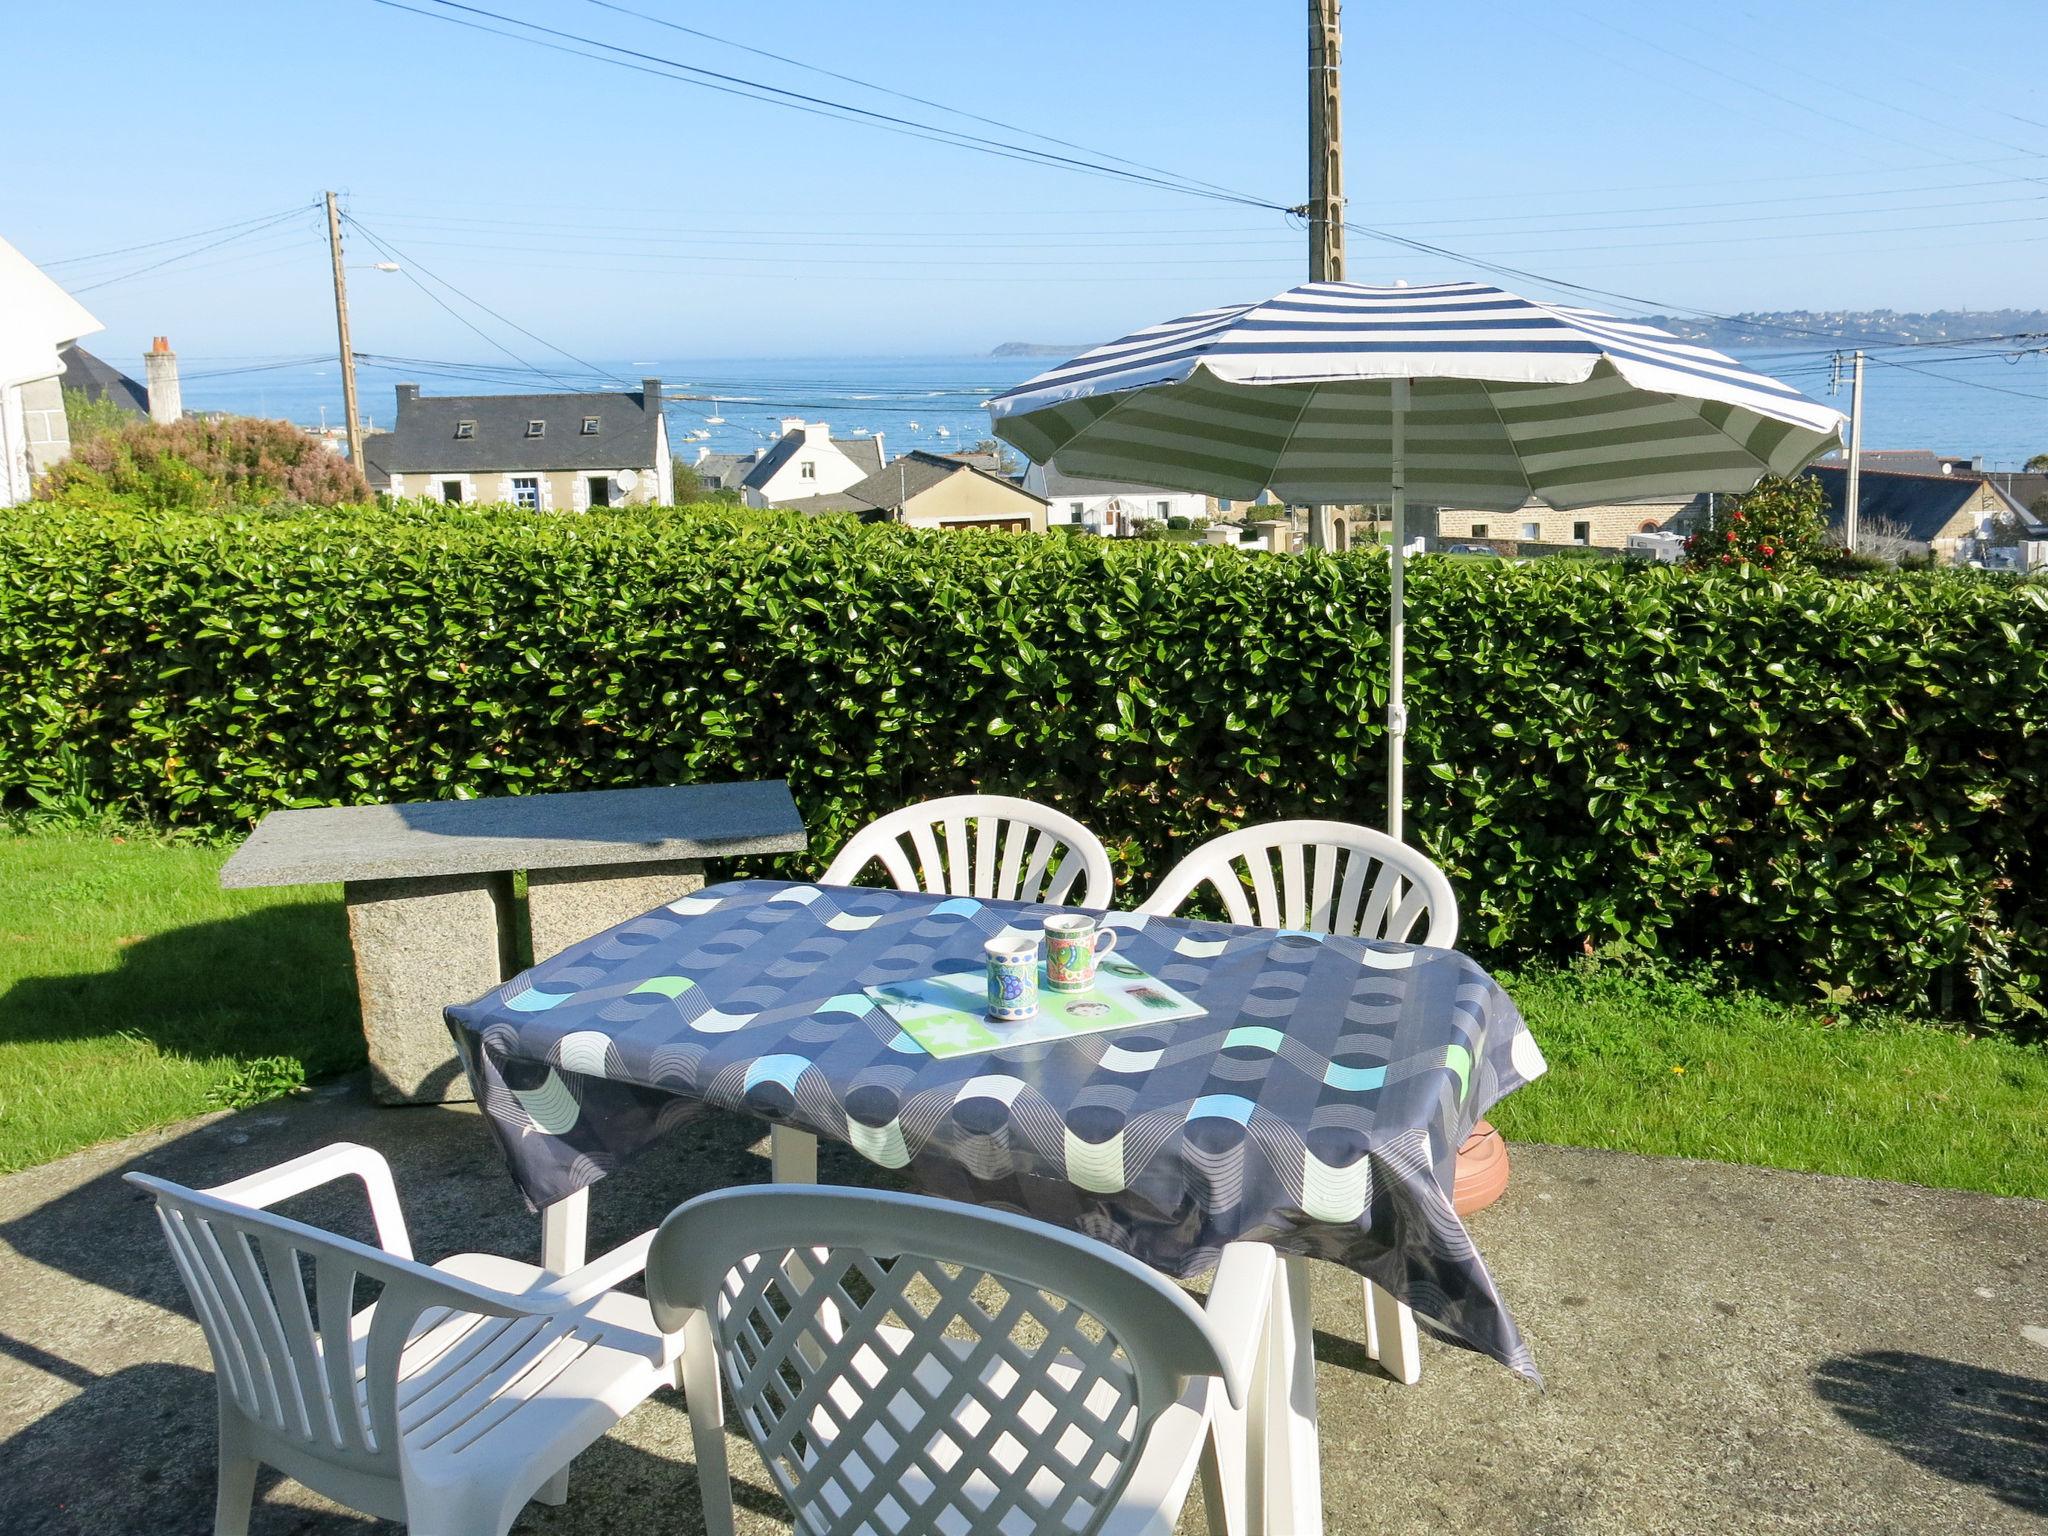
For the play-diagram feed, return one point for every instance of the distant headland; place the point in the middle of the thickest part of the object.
(1758, 329)
(1042, 348)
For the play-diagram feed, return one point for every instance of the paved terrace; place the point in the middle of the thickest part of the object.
(1729, 1350)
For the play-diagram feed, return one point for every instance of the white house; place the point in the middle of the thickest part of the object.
(808, 461)
(1112, 507)
(38, 320)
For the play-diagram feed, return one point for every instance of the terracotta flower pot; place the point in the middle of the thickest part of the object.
(1482, 1170)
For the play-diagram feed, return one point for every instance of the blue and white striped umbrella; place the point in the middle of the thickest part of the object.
(1457, 394)
(1510, 398)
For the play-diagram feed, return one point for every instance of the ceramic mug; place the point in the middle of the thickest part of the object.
(1073, 945)
(1012, 978)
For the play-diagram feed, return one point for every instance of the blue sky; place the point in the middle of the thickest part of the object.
(1719, 157)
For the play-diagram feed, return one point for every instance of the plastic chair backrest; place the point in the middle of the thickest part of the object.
(1333, 877)
(285, 1351)
(995, 847)
(907, 1364)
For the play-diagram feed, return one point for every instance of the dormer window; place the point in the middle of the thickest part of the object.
(465, 429)
(590, 426)
(536, 429)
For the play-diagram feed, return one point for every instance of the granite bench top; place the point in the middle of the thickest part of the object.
(557, 831)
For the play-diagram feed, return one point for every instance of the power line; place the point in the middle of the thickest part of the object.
(166, 261)
(992, 122)
(800, 101)
(197, 234)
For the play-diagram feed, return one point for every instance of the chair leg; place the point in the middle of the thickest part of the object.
(707, 1424)
(1291, 1469)
(236, 1498)
(1223, 1488)
(1391, 1337)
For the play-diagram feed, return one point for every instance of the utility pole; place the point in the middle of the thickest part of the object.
(1850, 502)
(348, 355)
(1325, 183)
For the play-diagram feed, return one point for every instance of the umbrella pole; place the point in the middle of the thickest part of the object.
(1397, 627)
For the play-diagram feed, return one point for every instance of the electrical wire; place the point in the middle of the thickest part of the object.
(197, 234)
(271, 223)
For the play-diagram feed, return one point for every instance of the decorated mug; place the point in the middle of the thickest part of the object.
(1073, 944)
(1012, 978)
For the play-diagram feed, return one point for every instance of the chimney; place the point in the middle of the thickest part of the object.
(791, 424)
(408, 394)
(650, 395)
(881, 453)
(160, 366)
(703, 453)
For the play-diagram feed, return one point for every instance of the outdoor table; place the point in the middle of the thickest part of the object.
(1318, 1106)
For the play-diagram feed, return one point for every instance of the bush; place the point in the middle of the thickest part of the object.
(1831, 783)
(1778, 526)
(196, 464)
(1180, 524)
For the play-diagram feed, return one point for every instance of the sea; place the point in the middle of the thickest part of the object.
(1983, 406)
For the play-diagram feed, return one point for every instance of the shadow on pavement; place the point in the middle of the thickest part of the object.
(1971, 1425)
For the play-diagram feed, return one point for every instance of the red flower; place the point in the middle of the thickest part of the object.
(1740, 518)
(1731, 536)
(1767, 550)
(1727, 559)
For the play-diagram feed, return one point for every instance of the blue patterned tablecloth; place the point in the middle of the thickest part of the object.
(1318, 1107)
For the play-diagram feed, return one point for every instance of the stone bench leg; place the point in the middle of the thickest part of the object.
(567, 906)
(419, 945)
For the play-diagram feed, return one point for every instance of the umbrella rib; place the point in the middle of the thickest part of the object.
(1287, 442)
(1515, 449)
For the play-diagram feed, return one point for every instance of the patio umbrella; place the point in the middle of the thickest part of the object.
(1457, 394)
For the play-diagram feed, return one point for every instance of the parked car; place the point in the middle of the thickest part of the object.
(1473, 549)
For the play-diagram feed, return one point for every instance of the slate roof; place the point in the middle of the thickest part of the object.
(902, 480)
(424, 440)
(728, 469)
(102, 381)
(1058, 483)
(1920, 506)
(866, 452)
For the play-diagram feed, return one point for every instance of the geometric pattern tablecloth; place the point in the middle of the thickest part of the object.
(1317, 1107)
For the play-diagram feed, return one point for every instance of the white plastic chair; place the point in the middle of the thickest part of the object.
(913, 1365)
(1333, 877)
(447, 1402)
(995, 847)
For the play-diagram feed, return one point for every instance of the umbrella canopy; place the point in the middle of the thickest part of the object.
(1510, 398)
(1459, 394)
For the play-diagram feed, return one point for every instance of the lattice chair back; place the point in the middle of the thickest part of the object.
(914, 1365)
(281, 1304)
(1319, 877)
(995, 847)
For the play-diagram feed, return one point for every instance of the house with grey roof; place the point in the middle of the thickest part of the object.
(566, 453)
(101, 381)
(723, 471)
(807, 462)
(1951, 516)
(1111, 507)
(930, 490)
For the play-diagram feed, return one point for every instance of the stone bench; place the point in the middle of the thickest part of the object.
(429, 888)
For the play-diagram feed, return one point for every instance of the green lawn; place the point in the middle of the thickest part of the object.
(1690, 1069)
(132, 987)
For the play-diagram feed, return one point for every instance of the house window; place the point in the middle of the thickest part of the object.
(1479, 530)
(807, 470)
(600, 490)
(1582, 533)
(451, 490)
(465, 429)
(1163, 508)
(1074, 511)
(590, 426)
(536, 429)
(1532, 531)
(1224, 503)
(526, 491)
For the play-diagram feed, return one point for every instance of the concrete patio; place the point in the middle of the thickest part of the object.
(1728, 1349)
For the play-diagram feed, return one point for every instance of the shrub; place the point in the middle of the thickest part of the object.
(199, 463)
(1828, 782)
(1778, 526)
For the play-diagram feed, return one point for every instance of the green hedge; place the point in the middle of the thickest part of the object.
(1837, 783)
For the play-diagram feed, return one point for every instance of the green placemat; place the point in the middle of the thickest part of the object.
(946, 1015)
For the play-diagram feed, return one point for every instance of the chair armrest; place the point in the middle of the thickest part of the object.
(600, 1274)
(341, 1160)
(1240, 1296)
